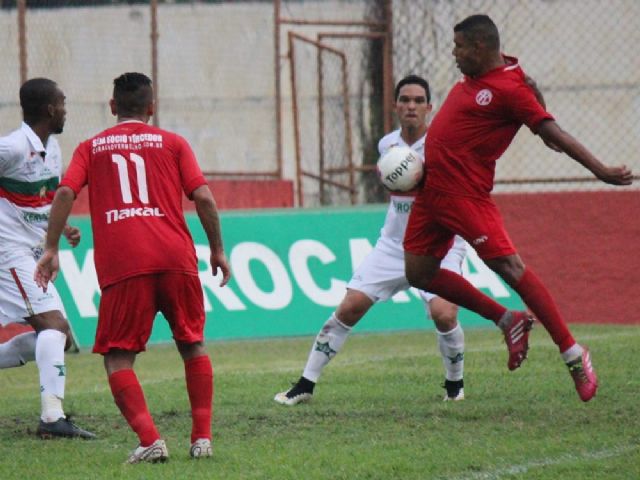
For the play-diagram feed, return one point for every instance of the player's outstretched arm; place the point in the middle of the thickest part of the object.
(550, 131)
(208, 214)
(48, 266)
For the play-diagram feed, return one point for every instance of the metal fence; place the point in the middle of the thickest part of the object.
(300, 89)
(583, 55)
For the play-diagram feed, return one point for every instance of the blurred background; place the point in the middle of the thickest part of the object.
(301, 90)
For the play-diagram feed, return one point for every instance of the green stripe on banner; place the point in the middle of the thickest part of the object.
(290, 269)
(29, 188)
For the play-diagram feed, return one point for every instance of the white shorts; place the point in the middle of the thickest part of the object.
(381, 275)
(20, 297)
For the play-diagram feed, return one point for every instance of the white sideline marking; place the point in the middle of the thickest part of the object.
(546, 462)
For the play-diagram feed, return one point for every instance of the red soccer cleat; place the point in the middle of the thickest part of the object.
(516, 335)
(584, 376)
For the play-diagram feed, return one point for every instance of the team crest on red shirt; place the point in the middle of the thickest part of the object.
(484, 97)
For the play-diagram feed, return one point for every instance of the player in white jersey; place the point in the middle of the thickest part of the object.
(30, 167)
(381, 274)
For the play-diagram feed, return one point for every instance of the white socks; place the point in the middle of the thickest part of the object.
(18, 351)
(572, 353)
(50, 361)
(327, 344)
(451, 345)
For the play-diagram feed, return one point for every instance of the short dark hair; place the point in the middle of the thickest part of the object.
(482, 28)
(132, 93)
(413, 80)
(35, 95)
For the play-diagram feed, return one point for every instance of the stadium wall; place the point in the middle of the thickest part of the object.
(584, 246)
(229, 195)
(216, 83)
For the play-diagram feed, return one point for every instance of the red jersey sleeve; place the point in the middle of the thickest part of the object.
(77, 175)
(190, 174)
(525, 107)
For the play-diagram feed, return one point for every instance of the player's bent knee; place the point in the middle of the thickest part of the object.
(353, 307)
(51, 320)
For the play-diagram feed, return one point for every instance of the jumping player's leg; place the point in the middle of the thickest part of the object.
(424, 273)
(538, 298)
(432, 223)
(535, 295)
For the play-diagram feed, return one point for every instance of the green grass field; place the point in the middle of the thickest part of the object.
(377, 414)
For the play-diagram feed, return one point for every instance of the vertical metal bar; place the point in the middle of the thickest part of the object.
(347, 131)
(278, 87)
(387, 67)
(154, 61)
(321, 125)
(296, 128)
(22, 39)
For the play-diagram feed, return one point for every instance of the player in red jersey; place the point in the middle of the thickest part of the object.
(472, 129)
(144, 255)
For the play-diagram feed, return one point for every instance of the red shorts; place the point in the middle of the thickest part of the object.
(128, 308)
(436, 217)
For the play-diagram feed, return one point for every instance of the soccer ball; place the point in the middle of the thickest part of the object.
(400, 169)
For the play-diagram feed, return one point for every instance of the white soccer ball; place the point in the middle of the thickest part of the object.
(400, 169)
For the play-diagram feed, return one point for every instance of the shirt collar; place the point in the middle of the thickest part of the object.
(34, 139)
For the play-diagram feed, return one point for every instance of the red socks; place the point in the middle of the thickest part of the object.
(456, 289)
(539, 300)
(129, 398)
(199, 376)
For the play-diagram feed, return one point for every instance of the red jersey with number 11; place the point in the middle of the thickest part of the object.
(136, 175)
(475, 125)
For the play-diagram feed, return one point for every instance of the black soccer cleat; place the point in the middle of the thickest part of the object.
(455, 390)
(300, 392)
(62, 428)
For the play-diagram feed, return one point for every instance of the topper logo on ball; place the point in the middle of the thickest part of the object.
(398, 172)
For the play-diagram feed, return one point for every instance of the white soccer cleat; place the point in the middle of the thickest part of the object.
(201, 448)
(300, 392)
(284, 398)
(154, 453)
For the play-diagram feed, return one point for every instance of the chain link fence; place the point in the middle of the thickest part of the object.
(583, 56)
(215, 65)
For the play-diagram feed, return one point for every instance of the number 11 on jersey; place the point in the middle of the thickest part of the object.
(123, 174)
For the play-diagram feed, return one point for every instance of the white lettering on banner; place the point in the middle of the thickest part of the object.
(225, 295)
(483, 277)
(299, 254)
(240, 258)
(82, 283)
